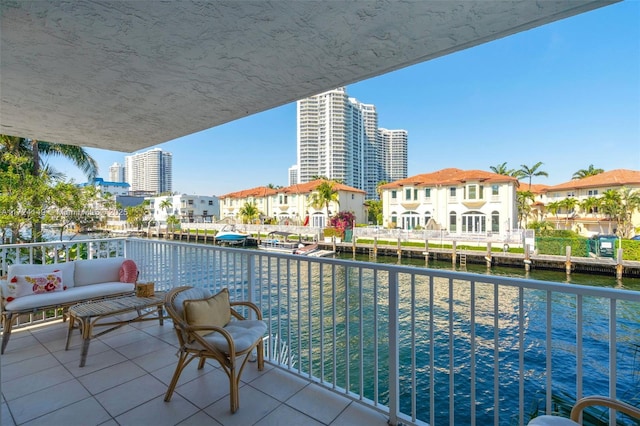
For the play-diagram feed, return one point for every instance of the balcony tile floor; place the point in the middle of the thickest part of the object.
(126, 376)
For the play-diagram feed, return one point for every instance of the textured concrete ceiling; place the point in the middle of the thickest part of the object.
(125, 75)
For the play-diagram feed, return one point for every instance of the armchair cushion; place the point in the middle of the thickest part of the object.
(244, 334)
(213, 311)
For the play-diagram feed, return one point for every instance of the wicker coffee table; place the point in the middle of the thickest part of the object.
(89, 314)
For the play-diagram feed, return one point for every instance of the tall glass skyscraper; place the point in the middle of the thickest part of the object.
(338, 138)
(149, 171)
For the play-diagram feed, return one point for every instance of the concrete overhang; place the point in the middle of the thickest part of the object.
(126, 75)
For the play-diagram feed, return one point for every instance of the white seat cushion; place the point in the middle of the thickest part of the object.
(244, 334)
(552, 421)
(75, 294)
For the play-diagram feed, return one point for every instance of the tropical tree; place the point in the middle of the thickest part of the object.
(166, 205)
(72, 205)
(324, 194)
(172, 223)
(611, 206)
(554, 208)
(569, 204)
(379, 189)
(249, 212)
(630, 202)
(590, 171)
(501, 169)
(526, 171)
(374, 211)
(524, 200)
(137, 215)
(18, 190)
(35, 150)
(590, 205)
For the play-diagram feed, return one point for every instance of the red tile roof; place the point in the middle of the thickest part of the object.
(536, 188)
(309, 187)
(260, 191)
(618, 177)
(301, 188)
(450, 176)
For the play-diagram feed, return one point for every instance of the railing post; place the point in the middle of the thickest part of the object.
(175, 267)
(251, 261)
(394, 354)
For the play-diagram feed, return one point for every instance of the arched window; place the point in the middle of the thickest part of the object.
(474, 222)
(427, 218)
(452, 222)
(410, 220)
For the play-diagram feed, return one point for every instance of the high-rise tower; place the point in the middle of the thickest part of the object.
(338, 138)
(150, 171)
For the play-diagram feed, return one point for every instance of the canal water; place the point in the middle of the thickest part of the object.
(597, 280)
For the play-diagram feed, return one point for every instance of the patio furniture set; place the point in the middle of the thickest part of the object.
(103, 294)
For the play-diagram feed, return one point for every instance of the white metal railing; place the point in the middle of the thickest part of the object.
(421, 345)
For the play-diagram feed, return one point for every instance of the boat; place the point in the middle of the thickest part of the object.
(278, 241)
(230, 235)
(306, 249)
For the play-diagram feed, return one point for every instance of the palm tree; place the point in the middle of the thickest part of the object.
(248, 212)
(529, 172)
(611, 205)
(630, 202)
(589, 205)
(34, 150)
(166, 205)
(553, 208)
(324, 194)
(524, 200)
(590, 171)
(569, 204)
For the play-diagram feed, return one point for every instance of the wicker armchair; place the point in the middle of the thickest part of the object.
(580, 405)
(209, 327)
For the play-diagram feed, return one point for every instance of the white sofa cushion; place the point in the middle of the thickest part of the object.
(78, 294)
(93, 271)
(67, 270)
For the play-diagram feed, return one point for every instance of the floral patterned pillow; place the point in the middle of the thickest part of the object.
(25, 285)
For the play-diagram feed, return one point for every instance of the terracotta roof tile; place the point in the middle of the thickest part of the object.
(260, 191)
(450, 176)
(617, 177)
(301, 188)
(309, 187)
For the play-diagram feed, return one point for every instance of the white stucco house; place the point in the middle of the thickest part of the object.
(454, 200)
(187, 208)
(292, 204)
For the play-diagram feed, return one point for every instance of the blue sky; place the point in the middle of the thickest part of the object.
(566, 94)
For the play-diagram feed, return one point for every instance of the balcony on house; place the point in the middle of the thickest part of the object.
(347, 343)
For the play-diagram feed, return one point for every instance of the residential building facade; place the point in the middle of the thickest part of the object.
(111, 188)
(150, 171)
(187, 208)
(453, 200)
(292, 204)
(586, 211)
(338, 138)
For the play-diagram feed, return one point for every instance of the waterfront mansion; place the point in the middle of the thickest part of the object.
(454, 200)
(292, 205)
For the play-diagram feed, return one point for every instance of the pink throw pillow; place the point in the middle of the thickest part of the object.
(128, 272)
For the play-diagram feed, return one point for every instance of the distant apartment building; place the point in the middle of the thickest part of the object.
(338, 138)
(149, 171)
(116, 173)
(187, 208)
(293, 175)
(109, 188)
(585, 213)
(292, 204)
(452, 200)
